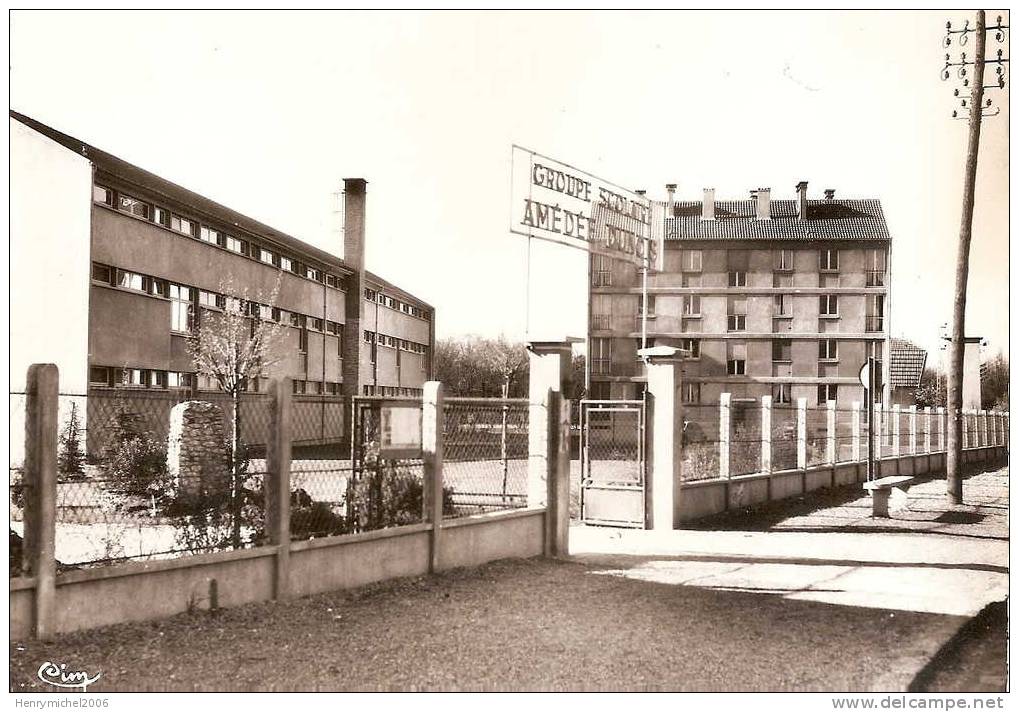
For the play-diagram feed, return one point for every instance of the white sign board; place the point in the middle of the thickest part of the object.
(400, 430)
(555, 201)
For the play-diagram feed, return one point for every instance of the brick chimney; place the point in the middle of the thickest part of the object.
(801, 199)
(762, 201)
(829, 194)
(670, 190)
(354, 192)
(708, 206)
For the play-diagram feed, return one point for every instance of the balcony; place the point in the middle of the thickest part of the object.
(875, 278)
(601, 279)
(875, 323)
(600, 322)
(601, 367)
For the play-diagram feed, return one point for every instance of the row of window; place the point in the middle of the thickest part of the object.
(371, 337)
(185, 299)
(150, 378)
(385, 300)
(192, 228)
(781, 393)
(738, 265)
(391, 391)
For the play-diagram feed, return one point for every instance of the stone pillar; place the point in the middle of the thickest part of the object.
(197, 455)
(895, 431)
(801, 433)
(665, 454)
(557, 518)
(724, 428)
(857, 452)
(766, 434)
(549, 372)
(832, 441)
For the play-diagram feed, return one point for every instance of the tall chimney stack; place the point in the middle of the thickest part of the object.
(762, 200)
(708, 206)
(354, 191)
(670, 190)
(801, 199)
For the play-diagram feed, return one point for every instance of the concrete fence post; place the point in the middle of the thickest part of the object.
(878, 430)
(993, 426)
(557, 516)
(857, 454)
(941, 428)
(927, 429)
(984, 442)
(724, 415)
(831, 440)
(895, 430)
(965, 428)
(277, 481)
(40, 478)
(912, 430)
(766, 434)
(801, 433)
(432, 404)
(664, 454)
(1005, 424)
(549, 364)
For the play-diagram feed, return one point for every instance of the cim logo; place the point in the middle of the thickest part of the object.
(60, 676)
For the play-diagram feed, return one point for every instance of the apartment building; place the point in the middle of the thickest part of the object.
(114, 268)
(780, 298)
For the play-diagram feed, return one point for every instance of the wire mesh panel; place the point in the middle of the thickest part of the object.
(141, 478)
(817, 435)
(700, 441)
(485, 454)
(783, 437)
(744, 438)
(844, 433)
(612, 462)
(18, 487)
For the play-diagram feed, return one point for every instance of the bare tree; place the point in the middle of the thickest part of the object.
(234, 346)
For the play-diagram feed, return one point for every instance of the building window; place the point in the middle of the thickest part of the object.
(101, 273)
(130, 280)
(267, 256)
(210, 299)
(828, 350)
(739, 261)
(691, 393)
(331, 280)
(369, 294)
(690, 280)
(783, 280)
(207, 234)
(314, 274)
(827, 392)
(103, 195)
(265, 312)
(736, 361)
(875, 312)
(781, 393)
(783, 305)
(783, 260)
(299, 387)
(691, 305)
(601, 356)
(782, 350)
(132, 378)
(690, 260)
(181, 312)
(235, 245)
(175, 379)
(601, 311)
(876, 267)
(601, 271)
(692, 346)
(286, 264)
(829, 260)
(314, 388)
(99, 376)
(161, 216)
(133, 206)
(737, 314)
(158, 287)
(829, 305)
(650, 305)
(182, 225)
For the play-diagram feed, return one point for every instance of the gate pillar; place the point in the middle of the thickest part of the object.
(665, 436)
(549, 363)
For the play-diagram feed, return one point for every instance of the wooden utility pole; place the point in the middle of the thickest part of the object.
(958, 345)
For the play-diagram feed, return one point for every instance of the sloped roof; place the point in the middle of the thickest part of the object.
(848, 219)
(907, 362)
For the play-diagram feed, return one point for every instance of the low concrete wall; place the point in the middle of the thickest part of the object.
(90, 598)
(707, 497)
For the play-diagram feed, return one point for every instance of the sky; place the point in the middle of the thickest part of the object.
(268, 112)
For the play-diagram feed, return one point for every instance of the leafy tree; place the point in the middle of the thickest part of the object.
(994, 382)
(933, 389)
(232, 347)
(71, 459)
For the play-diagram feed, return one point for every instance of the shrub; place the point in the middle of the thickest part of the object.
(136, 467)
(389, 495)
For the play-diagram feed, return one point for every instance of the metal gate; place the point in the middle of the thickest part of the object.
(612, 462)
